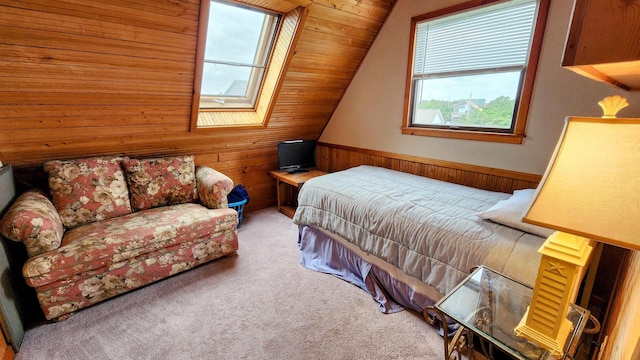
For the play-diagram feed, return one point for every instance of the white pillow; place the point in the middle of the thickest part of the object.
(510, 212)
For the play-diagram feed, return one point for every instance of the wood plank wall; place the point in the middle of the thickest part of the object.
(621, 332)
(114, 77)
(332, 158)
(6, 351)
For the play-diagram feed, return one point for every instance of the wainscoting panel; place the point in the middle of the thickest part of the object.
(332, 158)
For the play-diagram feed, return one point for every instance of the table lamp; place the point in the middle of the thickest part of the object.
(589, 192)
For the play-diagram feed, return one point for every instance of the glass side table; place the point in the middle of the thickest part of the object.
(490, 305)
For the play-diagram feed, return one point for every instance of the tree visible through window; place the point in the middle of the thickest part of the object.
(470, 69)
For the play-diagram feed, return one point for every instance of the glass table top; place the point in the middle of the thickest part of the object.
(491, 305)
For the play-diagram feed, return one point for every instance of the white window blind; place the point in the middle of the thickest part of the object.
(492, 37)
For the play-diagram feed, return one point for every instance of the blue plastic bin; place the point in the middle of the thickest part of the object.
(239, 207)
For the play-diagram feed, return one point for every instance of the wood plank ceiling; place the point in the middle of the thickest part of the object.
(104, 77)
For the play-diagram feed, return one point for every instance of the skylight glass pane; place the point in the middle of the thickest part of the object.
(237, 49)
(233, 34)
(225, 80)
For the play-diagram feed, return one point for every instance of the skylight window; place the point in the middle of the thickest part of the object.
(241, 58)
(238, 44)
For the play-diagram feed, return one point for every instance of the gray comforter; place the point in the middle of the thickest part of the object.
(426, 228)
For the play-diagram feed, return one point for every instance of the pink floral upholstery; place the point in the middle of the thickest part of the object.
(81, 290)
(33, 220)
(94, 246)
(161, 181)
(107, 258)
(108, 250)
(88, 190)
(213, 187)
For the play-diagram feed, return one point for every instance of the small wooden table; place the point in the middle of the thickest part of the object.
(288, 186)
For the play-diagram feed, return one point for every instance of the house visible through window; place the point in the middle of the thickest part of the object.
(471, 70)
(238, 45)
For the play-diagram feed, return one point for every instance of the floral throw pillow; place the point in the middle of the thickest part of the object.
(88, 190)
(161, 181)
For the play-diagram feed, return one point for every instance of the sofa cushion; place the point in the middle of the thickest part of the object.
(88, 190)
(83, 289)
(33, 220)
(161, 181)
(113, 241)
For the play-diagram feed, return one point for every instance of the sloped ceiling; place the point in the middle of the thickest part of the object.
(86, 77)
(115, 77)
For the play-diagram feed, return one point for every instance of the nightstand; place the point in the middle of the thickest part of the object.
(490, 305)
(288, 186)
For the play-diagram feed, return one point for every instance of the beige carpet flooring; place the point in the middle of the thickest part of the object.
(260, 304)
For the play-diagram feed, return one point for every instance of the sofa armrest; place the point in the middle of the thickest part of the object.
(213, 187)
(33, 220)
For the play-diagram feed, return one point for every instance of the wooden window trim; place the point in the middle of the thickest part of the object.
(286, 39)
(525, 95)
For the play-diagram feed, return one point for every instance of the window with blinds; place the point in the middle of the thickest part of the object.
(468, 68)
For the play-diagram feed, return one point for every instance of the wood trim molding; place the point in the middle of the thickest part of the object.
(333, 157)
(6, 351)
(465, 135)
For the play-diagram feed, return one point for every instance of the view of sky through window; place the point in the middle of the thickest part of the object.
(233, 36)
(474, 86)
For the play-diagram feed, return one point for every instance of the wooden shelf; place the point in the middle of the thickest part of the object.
(287, 210)
(602, 43)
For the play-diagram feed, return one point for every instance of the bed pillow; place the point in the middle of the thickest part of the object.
(88, 190)
(510, 212)
(161, 181)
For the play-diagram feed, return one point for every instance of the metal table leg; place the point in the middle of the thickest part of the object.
(452, 348)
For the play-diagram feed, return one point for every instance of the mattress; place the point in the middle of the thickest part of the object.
(423, 230)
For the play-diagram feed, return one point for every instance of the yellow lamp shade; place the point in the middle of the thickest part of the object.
(592, 185)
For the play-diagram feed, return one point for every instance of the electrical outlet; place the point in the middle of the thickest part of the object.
(602, 346)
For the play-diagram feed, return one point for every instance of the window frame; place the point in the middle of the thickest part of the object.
(523, 98)
(293, 16)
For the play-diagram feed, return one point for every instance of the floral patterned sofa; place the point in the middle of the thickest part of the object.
(114, 224)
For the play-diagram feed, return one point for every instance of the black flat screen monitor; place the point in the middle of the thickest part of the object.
(296, 155)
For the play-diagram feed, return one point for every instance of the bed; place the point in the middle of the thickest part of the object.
(407, 239)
